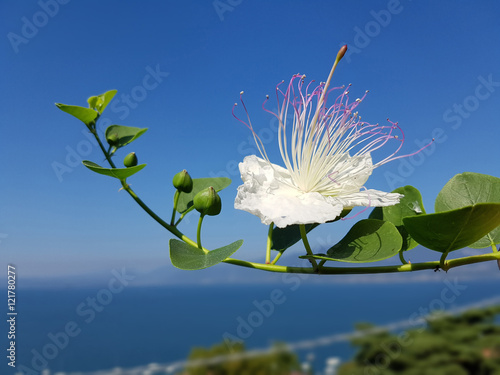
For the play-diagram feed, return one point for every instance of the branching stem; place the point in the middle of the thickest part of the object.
(272, 267)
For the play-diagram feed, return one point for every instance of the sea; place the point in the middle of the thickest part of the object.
(85, 330)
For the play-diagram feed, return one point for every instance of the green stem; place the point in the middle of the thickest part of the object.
(184, 214)
(198, 232)
(176, 200)
(277, 257)
(106, 154)
(303, 234)
(171, 228)
(442, 261)
(180, 219)
(402, 258)
(269, 243)
(158, 219)
(493, 246)
(367, 270)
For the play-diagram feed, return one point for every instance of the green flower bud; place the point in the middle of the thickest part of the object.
(130, 160)
(207, 202)
(92, 102)
(182, 181)
(112, 139)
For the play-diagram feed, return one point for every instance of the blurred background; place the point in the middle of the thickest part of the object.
(95, 287)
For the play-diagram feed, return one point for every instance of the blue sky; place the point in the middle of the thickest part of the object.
(431, 66)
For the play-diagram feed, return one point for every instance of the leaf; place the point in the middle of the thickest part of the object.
(410, 205)
(369, 240)
(100, 102)
(125, 134)
(467, 189)
(186, 199)
(119, 173)
(187, 257)
(86, 115)
(452, 230)
(283, 238)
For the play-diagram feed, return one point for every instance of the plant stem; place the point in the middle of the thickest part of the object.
(303, 234)
(269, 243)
(180, 219)
(158, 219)
(276, 258)
(172, 229)
(106, 154)
(442, 261)
(402, 258)
(176, 200)
(367, 270)
(198, 232)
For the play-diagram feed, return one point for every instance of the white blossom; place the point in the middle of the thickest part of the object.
(326, 151)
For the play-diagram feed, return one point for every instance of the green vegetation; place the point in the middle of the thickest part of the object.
(467, 344)
(233, 359)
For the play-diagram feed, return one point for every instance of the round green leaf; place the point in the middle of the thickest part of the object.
(369, 240)
(186, 199)
(125, 134)
(410, 205)
(467, 189)
(187, 257)
(119, 173)
(456, 229)
(86, 115)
